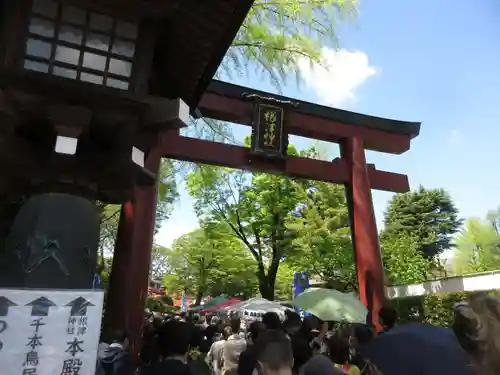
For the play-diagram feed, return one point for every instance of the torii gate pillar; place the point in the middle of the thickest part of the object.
(369, 268)
(129, 277)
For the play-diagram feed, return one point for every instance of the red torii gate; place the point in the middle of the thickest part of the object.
(354, 132)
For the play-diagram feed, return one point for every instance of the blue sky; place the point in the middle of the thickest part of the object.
(434, 61)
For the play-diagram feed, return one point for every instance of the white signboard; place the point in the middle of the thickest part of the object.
(49, 332)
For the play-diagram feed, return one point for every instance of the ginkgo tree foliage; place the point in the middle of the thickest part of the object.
(278, 219)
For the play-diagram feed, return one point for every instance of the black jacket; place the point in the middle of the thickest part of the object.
(115, 361)
(247, 361)
(170, 367)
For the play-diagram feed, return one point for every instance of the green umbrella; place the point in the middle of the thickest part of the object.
(332, 305)
(215, 301)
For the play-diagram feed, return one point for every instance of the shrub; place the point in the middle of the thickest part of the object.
(433, 309)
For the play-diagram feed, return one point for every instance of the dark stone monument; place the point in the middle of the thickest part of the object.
(52, 236)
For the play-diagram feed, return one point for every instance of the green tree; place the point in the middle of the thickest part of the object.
(276, 35)
(477, 247)
(274, 39)
(280, 220)
(493, 217)
(404, 263)
(159, 262)
(284, 282)
(323, 245)
(428, 215)
(255, 207)
(208, 262)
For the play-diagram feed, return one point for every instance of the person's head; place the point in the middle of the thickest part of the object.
(208, 318)
(271, 320)
(226, 332)
(235, 324)
(476, 325)
(292, 318)
(256, 328)
(387, 317)
(121, 337)
(308, 325)
(320, 365)
(338, 349)
(174, 339)
(220, 326)
(292, 322)
(273, 351)
(362, 335)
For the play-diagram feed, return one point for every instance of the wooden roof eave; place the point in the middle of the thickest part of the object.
(184, 65)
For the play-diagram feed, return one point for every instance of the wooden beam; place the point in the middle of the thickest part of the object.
(230, 156)
(387, 181)
(240, 111)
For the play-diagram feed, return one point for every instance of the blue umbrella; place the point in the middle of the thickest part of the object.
(418, 349)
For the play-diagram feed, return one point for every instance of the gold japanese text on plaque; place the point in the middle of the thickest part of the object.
(269, 138)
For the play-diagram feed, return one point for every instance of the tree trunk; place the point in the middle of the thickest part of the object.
(266, 287)
(266, 290)
(199, 296)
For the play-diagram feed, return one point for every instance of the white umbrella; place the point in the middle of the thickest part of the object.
(257, 305)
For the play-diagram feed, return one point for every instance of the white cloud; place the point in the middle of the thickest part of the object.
(336, 80)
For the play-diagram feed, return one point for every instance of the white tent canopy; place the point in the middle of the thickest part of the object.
(256, 307)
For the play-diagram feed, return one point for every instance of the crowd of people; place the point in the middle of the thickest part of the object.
(187, 344)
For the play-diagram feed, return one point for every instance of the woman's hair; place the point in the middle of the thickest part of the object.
(338, 348)
(183, 334)
(256, 328)
(363, 334)
(271, 320)
(477, 327)
(388, 316)
(273, 349)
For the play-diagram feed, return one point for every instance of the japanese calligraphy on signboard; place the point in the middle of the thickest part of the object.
(269, 136)
(49, 332)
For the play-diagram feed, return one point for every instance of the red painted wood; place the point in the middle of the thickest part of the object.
(145, 199)
(369, 266)
(207, 152)
(131, 261)
(115, 316)
(240, 111)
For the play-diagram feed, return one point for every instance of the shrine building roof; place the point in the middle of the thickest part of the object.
(191, 44)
